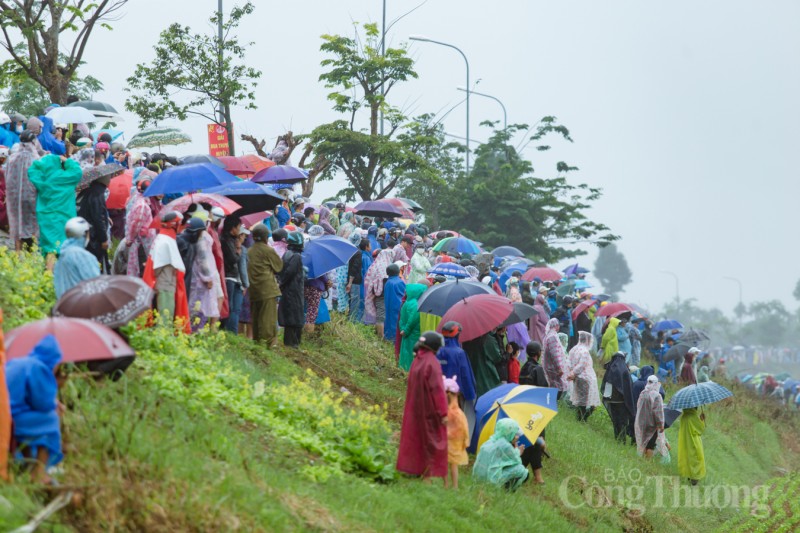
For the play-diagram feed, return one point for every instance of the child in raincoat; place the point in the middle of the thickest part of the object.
(457, 432)
(499, 460)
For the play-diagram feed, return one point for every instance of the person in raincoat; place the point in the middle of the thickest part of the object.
(538, 322)
(691, 459)
(609, 345)
(649, 417)
(688, 376)
(92, 207)
(553, 358)
(585, 395)
(423, 435)
(618, 396)
(393, 292)
(484, 356)
(33, 395)
(374, 301)
(263, 265)
(165, 273)
(457, 431)
(624, 340)
(325, 221)
(419, 266)
(702, 375)
(454, 362)
(409, 324)
(21, 194)
(74, 263)
(639, 385)
(5, 409)
(138, 233)
(499, 460)
(55, 178)
(291, 280)
(636, 343)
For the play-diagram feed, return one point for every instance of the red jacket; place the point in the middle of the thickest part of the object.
(513, 370)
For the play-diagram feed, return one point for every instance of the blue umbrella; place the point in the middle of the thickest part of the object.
(667, 325)
(115, 134)
(251, 196)
(327, 253)
(441, 297)
(189, 178)
(451, 270)
(507, 251)
(574, 270)
(280, 174)
(697, 395)
(510, 269)
(202, 158)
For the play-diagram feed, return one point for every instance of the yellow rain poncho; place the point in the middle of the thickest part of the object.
(691, 460)
(610, 344)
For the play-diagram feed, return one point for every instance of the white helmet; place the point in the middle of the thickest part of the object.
(4, 152)
(77, 227)
(4, 118)
(217, 213)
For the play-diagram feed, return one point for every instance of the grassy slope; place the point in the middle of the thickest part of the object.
(145, 462)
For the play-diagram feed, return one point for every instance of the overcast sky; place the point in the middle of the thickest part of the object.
(686, 113)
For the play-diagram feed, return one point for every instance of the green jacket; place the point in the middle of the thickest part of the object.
(263, 264)
(484, 354)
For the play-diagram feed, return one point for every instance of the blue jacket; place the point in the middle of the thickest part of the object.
(638, 385)
(283, 215)
(393, 293)
(74, 265)
(47, 140)
(624, 343)
(7, 137)
(32, 390)
(455, 363)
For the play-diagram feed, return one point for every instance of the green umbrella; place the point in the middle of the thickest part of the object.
(158, 136)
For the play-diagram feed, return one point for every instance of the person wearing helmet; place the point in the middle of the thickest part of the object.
(291, 280)
(263, 264)
(201, 278)
(55, 178)
(165, 271)
(423, 435)
(74, 263)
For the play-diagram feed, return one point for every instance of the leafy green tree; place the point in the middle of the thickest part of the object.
(211, 74)
(501, 201)
(373, 163)
(23, 95)
(719, 327)
(48, 55)
(611, 268)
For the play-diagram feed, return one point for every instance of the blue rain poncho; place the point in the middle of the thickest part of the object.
(32, 391)
(454, 362)
(74, 265)
(498, 461)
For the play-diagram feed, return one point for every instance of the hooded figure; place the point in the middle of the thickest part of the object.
(325, 221)
(649, 417)
(638, 385)
(372, 235)
(92, 207)
(20, 192)
(55, 183)
(165, 271)
(624, 342)
(455, 363)
(702, 375)
(32, 390)
(393, 292)
(688, 376)
(538, 322)
(484, 356)
(46, 138)
(409, 324)
(263, 265)
(498, 461)
(585, 395)
(373, 287)
(291, 281)
(691, 458)
(610, 343)
(618, 396)
(636, 343)
(553, 357)
(419, 266)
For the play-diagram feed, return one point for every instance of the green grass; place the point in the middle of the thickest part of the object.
(173, 447)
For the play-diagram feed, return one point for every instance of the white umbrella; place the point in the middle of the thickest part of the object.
(71, 115)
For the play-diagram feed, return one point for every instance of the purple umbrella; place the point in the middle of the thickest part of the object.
(377, 208)
(280, 174)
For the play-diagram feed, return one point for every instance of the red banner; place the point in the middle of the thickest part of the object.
(217, 140)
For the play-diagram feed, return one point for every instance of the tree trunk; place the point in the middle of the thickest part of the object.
(58, 88)
(229, 128)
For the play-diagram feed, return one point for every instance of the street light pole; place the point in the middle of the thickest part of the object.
(677, 287)
(741, 305)
(466, 62)
(505, 115)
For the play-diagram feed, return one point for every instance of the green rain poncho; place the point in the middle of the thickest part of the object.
(498, 461)
(691, 460)
(55, 198)
(409, 324)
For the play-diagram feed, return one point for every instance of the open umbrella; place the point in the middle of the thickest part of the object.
(667, 325)
(451, 270)
(507, 251)
(457, 245)
(377, 208)
(326, 253)
(581, 307)
(677, 352)
(201, 158)
(441, 297)
(252, 197)
(531, 407)
(257, 162)
(694, 337)
(280, 174)
(189, 178)
(238, 166)
(479, 314)
(543, 273)
(108, 170)
(153, 137)
(614, 309)
(414, 206)
(109, 300)
(574, 270)
(71, 115)
(101, 110)
(215, 200)
(521, 313)
(402, 206)
(115, 134)
(670, 416)
(699, 394)
(79, 339)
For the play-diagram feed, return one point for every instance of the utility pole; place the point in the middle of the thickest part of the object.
(383, 53)
(677, 287)
(740, 307)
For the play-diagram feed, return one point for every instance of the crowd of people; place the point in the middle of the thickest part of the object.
(209, 270)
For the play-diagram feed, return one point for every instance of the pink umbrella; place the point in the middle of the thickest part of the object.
(79, 340)
(543, 273)
(238, 166)
(478, 314)
(614, 309)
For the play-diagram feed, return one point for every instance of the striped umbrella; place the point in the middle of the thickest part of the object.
(151, 137)
(459, 245)
(697, 395)
(531, 407)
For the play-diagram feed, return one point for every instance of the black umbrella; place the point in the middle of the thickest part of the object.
(202, 158)
(521, 313)
(670, 416)
(377, 209)
(440, 298)
(253, 198)
(505, 251)
(677, 352)
(695, 337)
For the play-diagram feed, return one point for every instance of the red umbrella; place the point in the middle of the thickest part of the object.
(119, 190)
(581, 307)
(614, 309)
(238, 166)
(255, 218)
(478, 314)
(543, 273)
(80, 340)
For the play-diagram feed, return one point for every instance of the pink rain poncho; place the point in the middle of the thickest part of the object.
(584, 383)
(553, 357)
(649, 414)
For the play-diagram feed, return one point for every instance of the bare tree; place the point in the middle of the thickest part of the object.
(44, 28)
